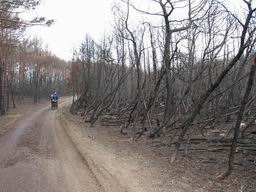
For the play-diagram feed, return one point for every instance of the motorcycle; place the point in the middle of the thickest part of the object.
(54, 104)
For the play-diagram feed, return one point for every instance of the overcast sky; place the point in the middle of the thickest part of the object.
(73, 19)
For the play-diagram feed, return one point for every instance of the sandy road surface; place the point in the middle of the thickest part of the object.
(37, 156)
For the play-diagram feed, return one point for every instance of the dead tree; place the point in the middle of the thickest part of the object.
(239, 120)
(197, 108)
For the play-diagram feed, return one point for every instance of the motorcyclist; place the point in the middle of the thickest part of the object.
(54, 99)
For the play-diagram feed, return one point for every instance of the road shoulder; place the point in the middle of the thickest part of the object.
(23, 109)
(94, 155)
(117, 160)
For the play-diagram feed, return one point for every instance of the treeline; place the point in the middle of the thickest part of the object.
(39, 73)
(26, 69)
(180, 75)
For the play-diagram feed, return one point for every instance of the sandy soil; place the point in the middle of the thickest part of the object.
(144, 165)
(23, 108)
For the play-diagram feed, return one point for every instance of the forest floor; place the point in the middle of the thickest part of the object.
(144, 165)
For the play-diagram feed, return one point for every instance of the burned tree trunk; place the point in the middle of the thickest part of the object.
(203, 98)
(239, 120)
(1, 90)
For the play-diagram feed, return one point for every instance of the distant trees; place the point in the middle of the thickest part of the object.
(25, 68)
(40, 73)
(179, 75)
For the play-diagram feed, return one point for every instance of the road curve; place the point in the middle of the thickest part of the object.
(37, 156)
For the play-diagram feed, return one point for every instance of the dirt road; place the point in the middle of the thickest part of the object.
(37, 156)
